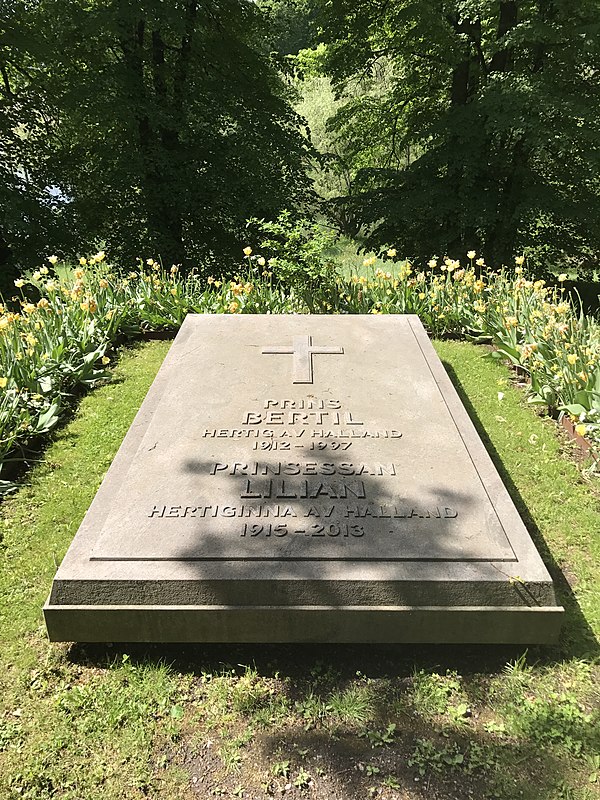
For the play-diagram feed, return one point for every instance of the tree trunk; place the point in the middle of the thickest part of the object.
(502, 59)
(500, 244)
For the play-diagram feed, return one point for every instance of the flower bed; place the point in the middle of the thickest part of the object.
(59, 331)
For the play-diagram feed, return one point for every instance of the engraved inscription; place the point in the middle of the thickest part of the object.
(297, 421)
(317, 512)
(305, 468)
(255, 529)
(290, 498)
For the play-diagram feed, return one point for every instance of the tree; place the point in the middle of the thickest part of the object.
(499, 101)
(168, 126)
(343, 135)
(291, 24)
(29, 215)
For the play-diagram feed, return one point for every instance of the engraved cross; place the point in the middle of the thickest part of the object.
(303, 351)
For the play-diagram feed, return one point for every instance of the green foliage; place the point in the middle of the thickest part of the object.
(291, 24)
(431, 693)
(379, 738)
(160, 126)
(295, 254)
(496, 102)
(341, 133)
(429, 756)
(557, 718)
(354, 705)
(52, 348)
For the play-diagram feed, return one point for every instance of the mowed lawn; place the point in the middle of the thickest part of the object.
(347, 722)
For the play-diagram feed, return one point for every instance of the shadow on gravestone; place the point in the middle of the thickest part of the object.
(338, 493)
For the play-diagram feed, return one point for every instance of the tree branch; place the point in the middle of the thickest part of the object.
(7, 90)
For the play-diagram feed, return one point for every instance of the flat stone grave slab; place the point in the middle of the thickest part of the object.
(302, 478)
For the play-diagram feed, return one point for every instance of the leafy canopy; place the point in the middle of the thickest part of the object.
(497, 103)
(161, 126)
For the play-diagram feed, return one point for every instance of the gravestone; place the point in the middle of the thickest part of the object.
(296, 479)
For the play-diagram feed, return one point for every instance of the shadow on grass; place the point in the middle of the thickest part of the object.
(426, 754)
(577, 638)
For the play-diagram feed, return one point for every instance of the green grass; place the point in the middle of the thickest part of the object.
(349, 262)
(194, 722)
(561, 510)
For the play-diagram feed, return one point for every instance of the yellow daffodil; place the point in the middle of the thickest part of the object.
(261, 261)
(519, 260)
(471, 255)
(562, 277)
(392, 252)
(480, 262)
(43, 303)
(19, 283)
(83, 261)
(528, 349)
(3, 382)
(432, 263)
(174, 269)
(580, 429)
(43, 270)
(52, 260)
(572, 358)
(105, 360)
(247, 251)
